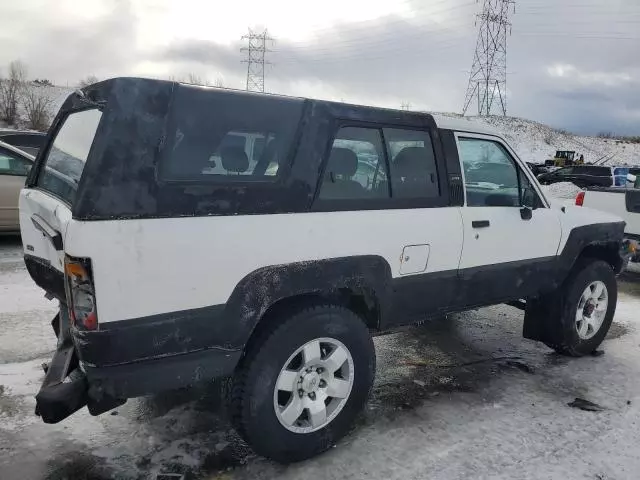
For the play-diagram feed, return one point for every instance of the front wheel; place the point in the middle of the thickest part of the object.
(590, 297)
(303, 382)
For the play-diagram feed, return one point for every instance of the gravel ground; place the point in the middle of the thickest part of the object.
(457, 399)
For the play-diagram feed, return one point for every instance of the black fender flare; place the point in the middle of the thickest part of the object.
(603, 239)
(262, 288)
(600, 240)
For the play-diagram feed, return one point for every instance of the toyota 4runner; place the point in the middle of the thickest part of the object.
(205, 233)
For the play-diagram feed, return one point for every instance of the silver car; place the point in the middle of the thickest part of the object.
(14, 167)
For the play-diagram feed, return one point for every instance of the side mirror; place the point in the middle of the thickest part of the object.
(631, 178)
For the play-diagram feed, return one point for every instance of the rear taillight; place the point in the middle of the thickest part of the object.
(580, 199)
(80, 292)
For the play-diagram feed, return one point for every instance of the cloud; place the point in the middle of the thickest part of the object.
(574, 74)
(573, 65)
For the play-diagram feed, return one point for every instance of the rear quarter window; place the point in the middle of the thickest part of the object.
(63, 165)
(595, 171)
(220, 136)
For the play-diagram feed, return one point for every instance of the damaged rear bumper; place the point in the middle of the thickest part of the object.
(64, 389)
(101, 369)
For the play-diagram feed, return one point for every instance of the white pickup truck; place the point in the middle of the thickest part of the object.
(624, 203)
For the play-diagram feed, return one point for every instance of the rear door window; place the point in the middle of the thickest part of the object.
(66, 158)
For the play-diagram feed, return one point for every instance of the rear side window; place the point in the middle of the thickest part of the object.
(68, 154)
(395, 165)
(356, 167)
(594, 171)
(224, 136)
(413, 164)
(565, 171)
(11, 164)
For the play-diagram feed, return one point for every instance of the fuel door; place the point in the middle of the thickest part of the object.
(414, 259)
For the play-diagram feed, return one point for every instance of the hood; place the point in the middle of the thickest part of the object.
(578, 216)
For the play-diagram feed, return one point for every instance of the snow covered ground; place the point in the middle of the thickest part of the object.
(468, 398)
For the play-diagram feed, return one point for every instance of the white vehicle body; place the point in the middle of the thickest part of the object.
(618, 202)
(624, 203)
(163, 261)
(406, 239)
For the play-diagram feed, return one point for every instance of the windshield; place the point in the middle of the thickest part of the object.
(66, 158)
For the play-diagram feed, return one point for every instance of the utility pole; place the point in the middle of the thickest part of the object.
(256, 51)
(405, 106)
(488, 78)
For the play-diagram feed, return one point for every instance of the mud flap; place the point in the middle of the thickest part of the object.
(542, 318)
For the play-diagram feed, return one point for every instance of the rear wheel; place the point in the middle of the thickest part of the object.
(303, 383)
(590, 296)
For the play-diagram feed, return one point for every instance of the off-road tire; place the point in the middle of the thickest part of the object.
(567, 341)
(252, 391)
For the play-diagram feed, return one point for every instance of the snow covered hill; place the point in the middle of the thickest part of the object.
(535, 142)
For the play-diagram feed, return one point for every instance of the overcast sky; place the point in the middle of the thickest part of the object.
(573, 64)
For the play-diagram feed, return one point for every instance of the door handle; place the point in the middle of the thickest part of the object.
(48, 231)
(480, 223)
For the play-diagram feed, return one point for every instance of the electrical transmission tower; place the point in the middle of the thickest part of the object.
(488, 78)
(256, 50)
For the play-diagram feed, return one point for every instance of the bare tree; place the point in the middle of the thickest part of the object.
(37, 104)
(196, 79)
(90, 80)
(10, 88)
(606, 134)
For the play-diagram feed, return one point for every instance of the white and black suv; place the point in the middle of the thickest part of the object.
(205, 233)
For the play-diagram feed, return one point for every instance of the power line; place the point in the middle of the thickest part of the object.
(488, 76)
(370, 29)
(390, 19)
(256, 50)
(392, 47)
(586, 35)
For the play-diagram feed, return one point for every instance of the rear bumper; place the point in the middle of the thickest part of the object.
(151, 376)
(64, 389)
(137, 357)
(102, 369)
